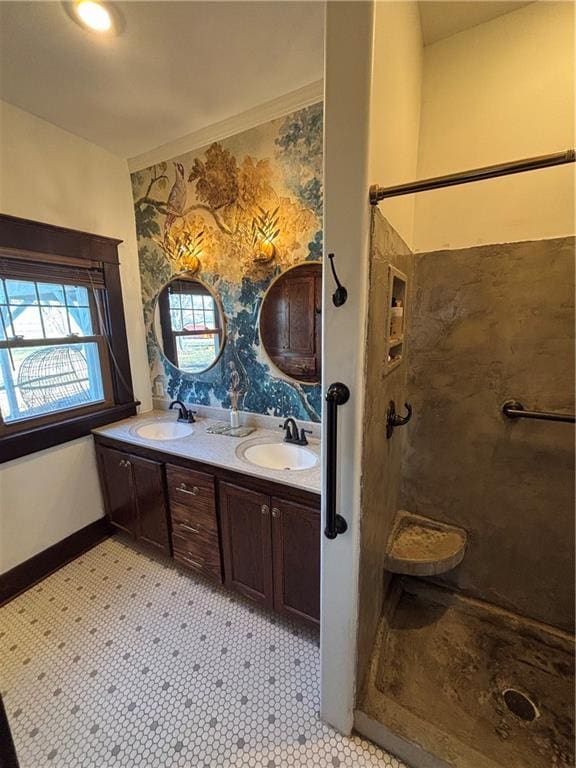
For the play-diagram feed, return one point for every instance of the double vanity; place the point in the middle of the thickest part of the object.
(241, 511)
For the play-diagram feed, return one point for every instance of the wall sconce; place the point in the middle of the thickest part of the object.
(184, 247)
(264, 231)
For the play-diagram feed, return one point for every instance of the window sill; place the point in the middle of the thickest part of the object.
(47, 436)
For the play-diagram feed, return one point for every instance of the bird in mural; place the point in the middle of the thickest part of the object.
(177, 197)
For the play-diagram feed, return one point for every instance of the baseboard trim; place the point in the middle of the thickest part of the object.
(30, 572)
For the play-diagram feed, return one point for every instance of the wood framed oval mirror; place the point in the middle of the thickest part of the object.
(189, 324)
(291, 323)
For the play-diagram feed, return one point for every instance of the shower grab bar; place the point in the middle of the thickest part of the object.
(476, 174)
(515, 410)
(337, 394)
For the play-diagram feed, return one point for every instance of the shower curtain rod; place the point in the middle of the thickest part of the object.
(477, 174)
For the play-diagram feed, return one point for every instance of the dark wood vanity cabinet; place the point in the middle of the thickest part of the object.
(296, 559)
(260, 539)
(195, 541)
(134, 497)
(272, 550)
(247, 542)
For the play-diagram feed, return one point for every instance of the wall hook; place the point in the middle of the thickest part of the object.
(340, 295)
(394, 419)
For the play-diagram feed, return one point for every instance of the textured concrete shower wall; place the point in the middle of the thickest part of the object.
(491, 324)
(380, 457)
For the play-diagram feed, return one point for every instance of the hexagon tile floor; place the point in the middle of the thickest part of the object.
(123, 660)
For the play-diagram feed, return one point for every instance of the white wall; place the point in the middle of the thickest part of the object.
(395, 106)
(371, 120)
(47, 174)
(346, 232)
(501, 91)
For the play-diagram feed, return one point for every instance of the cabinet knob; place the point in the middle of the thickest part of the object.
(265, 509)
(193, 492)
(124, 463)
(275, 512)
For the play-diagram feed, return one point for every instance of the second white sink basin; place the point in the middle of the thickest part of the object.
(164, 430)
(279, 456)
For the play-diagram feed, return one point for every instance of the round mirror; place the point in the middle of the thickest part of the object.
(189, 324)
(291, 322)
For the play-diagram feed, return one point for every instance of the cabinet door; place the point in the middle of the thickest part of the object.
(118, 487)
(247, 542)
(296, 554)
(150, 500)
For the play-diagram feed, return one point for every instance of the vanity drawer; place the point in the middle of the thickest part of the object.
(200, 552)
(192, 522)
(191, 489)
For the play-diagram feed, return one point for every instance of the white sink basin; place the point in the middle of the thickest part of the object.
(164, 430)
(279, 456)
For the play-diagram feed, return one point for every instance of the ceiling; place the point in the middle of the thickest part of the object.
(444, 19)
(176, 67)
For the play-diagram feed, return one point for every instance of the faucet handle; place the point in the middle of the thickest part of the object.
(303, 433)
(184, 414)
(289, 436)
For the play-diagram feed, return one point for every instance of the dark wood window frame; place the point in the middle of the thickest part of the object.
(26, 243)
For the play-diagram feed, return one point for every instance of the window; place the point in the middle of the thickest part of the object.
(194, 334)
(63, 351)
(53, 355)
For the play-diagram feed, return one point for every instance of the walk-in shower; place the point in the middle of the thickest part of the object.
(473, 661)
(465, 641)
(466, 612)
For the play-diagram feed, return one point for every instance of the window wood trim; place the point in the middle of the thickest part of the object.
(41, 239)
(203, 332)
(82, 273)
(43, 244)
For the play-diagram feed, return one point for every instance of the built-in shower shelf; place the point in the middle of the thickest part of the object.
(420, 546)
(395, 318)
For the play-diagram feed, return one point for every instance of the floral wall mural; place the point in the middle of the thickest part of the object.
(236, 213)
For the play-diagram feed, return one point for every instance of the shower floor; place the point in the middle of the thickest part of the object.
(474, 685)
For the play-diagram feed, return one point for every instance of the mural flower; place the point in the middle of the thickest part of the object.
(216, 178)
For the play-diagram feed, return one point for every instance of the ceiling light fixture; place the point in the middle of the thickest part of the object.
(93, 15)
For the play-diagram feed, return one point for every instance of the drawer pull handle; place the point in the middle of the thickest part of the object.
(194, 492)
(189, 528)
(195, 563)
(265, 509)
(275, 512)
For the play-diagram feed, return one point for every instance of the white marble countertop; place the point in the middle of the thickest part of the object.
(216, 450)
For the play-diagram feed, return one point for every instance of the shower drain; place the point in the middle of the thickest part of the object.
(520, 705)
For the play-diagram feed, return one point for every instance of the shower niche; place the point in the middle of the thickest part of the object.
(395, 318)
